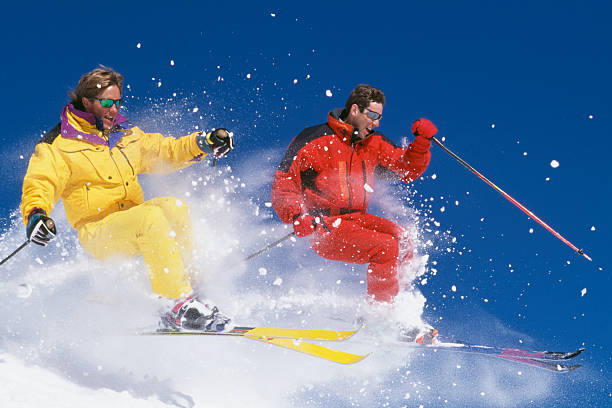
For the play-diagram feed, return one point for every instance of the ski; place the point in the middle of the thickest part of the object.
(275, 332)
(287, 338)
(548, 360)
(507, 352)
(316, 350)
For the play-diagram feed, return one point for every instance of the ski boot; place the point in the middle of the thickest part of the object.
(192, 315)
(426, 336)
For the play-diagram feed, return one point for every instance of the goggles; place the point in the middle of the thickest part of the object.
(373, 115)
(107, 103)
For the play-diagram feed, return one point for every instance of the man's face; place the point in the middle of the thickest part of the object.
(362, 121)
(106, 114)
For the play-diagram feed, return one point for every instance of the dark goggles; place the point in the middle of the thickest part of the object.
(107, 103)
(373, 115)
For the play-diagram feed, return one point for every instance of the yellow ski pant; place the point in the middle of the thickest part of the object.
(159, 230)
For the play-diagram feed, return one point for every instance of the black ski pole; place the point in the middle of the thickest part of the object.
(15, 251)
(273, 244)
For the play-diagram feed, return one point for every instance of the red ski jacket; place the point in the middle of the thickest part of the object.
(327, 171)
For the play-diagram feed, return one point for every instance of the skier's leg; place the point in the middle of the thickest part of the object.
(365, 238)
(141, 230)
(176, 211)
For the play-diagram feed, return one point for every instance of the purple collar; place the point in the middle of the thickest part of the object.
(70, 132)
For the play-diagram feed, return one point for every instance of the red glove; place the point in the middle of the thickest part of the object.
(304, 225)
(424, 127)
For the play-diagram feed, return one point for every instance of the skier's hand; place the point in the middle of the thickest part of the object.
(304, 225)
(219, 142)
(424, 127)
(40, 229)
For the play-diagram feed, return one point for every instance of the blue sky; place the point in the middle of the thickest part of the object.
(511, 87)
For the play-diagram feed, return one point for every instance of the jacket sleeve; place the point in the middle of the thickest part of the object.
(287, 196)
(160, 154)
(44, 181)
(408, 163)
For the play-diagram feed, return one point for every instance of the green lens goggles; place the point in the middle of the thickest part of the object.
(107, 103)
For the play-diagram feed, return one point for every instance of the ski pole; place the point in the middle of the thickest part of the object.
(15, 251)
(512, 200)
(273, 244)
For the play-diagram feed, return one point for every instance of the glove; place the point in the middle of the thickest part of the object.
(219, 142)
(304, 225)
(40, 229)
(424, 127)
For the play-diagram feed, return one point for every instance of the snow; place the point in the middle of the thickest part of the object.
(554, 164)
(328, 93)
(71, 341)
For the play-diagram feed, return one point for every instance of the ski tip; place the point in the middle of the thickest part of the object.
(568, 368)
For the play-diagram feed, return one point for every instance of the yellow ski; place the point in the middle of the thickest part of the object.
(312, 349)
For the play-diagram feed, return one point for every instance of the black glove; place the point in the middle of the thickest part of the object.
(40, 229)
(219, 142)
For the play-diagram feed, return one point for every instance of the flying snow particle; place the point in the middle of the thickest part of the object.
(590, 116)
(178, 203)
(531, 230)
(295, 81)
(554, 164)
(442, 209)
(524, 153)
(367, 188)
(593, 228)
(434, 176)
(492, 125)
(424, 281)
(172, 62)
(268, 204)
(278, 282)
(263, 271)
(328, 93)
(159, 84)
(195, 109)
(336, 222)
(454, 288)
(272, 14)
(583, 292)
(248, 76)
(24, 291)
(172, 234)
(138, 45)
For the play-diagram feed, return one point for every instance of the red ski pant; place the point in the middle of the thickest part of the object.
(364, 238)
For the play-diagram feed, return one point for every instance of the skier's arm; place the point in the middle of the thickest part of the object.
(409, 163)
(160, 154)
(44, 181)
(287, 197)
(166, 154)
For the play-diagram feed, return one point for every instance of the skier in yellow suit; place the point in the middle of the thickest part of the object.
(91, 160)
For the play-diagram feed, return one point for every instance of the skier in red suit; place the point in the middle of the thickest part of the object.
(325, 180)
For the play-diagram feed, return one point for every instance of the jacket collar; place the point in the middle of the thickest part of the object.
(86, 126)
(346, 132)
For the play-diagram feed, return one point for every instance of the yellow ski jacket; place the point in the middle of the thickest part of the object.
(95, 172)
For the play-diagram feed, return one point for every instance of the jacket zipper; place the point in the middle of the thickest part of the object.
(365, 181)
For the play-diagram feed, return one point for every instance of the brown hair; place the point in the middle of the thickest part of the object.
(94, 83)
(363, 95)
